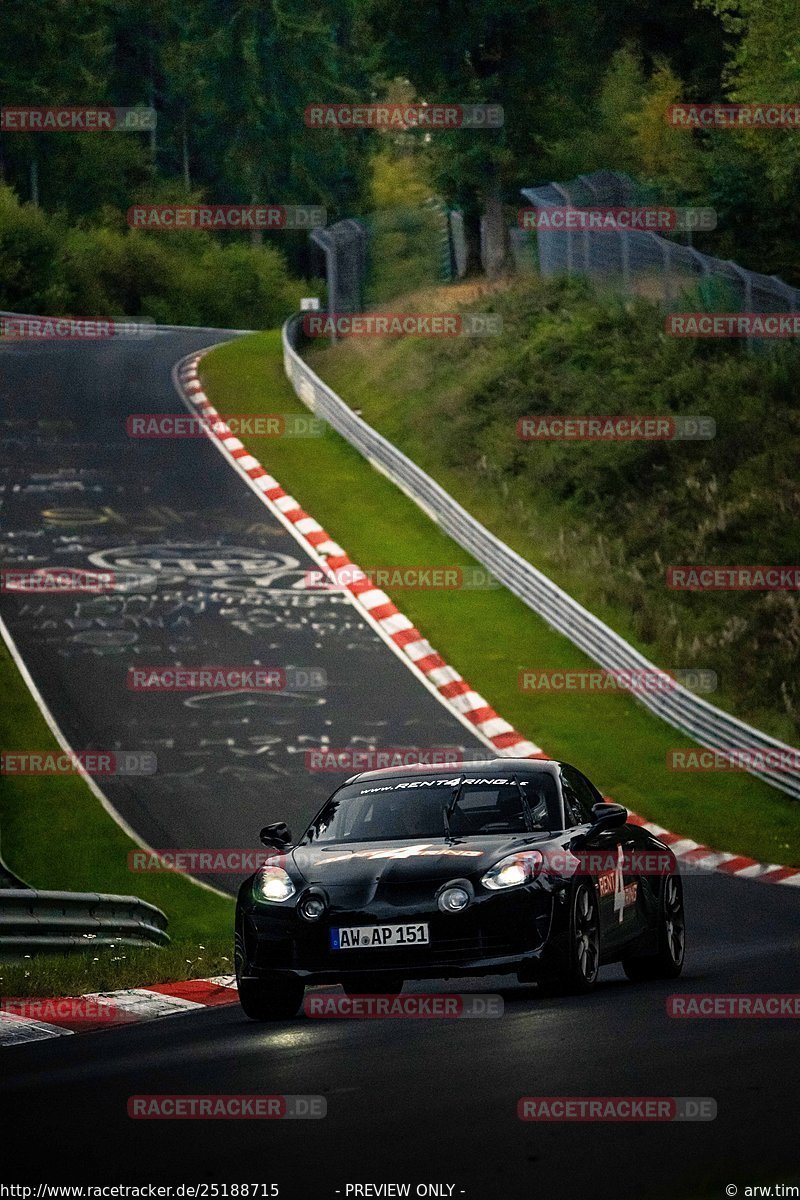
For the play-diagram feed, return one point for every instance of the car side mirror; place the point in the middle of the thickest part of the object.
(278, 835)
(607, 816)
(604, 816)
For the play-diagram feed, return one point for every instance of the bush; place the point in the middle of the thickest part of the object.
(183, 278)
(29, 243)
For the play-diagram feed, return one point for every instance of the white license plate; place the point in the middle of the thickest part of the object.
(371, 937)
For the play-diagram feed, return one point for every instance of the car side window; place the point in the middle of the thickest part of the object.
(578, 797)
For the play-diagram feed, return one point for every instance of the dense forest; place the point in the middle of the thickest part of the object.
(584, 85)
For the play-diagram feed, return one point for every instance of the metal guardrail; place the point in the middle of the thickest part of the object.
(123, 328)
(692, 715)
(34, 920)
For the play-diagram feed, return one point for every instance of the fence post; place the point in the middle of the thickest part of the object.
(359, 235)
(565, 194)
(705, 270)
(589, 184)
(666, 250)
(458, 243)
(790, 294)
(748, 292)
(345, 248)
(625, 255)
(321, 238)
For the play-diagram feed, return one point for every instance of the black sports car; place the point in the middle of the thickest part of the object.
(506, 866)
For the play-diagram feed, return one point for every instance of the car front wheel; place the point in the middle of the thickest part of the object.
(582, 965)
(275, 998)
(270, 1000)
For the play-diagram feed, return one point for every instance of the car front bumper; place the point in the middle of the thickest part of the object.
(496, 934)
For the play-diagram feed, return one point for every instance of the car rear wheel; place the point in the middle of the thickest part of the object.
(667, 962)
(370, 985)
(582, 964)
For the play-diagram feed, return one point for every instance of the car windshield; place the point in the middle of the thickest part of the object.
(435, 806)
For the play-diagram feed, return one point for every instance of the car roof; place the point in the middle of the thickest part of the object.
(485, 766)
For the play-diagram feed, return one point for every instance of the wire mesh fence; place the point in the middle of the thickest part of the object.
(396, 251)
(392, 251)
(643, 262)
(344, 249)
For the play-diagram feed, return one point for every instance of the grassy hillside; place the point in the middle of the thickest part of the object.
(612, 737)
(606, 519)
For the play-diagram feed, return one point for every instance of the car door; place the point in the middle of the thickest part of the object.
(630, 916)
(607, 860)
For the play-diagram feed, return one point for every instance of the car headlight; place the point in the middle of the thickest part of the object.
(275, 884)
(513, 871)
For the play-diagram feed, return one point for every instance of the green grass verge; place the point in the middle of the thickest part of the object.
(107, 969)
(490, 636)
(603, 519)
(57, 835)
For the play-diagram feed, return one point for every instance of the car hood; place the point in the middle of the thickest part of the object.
(415, 860)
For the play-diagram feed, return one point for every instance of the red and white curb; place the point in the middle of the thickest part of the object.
(28, 1019)
(450, 687)
(703, 858)
(447, 684)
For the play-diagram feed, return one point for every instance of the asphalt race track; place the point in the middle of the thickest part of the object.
(435, 1100)
(205, 576)
(425, 1101)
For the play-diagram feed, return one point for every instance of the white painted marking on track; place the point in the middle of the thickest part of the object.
(15, 1030)
(145, 1003)
(55, 729)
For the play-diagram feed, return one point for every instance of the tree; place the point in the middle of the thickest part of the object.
(57, 55)
(537, 58)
